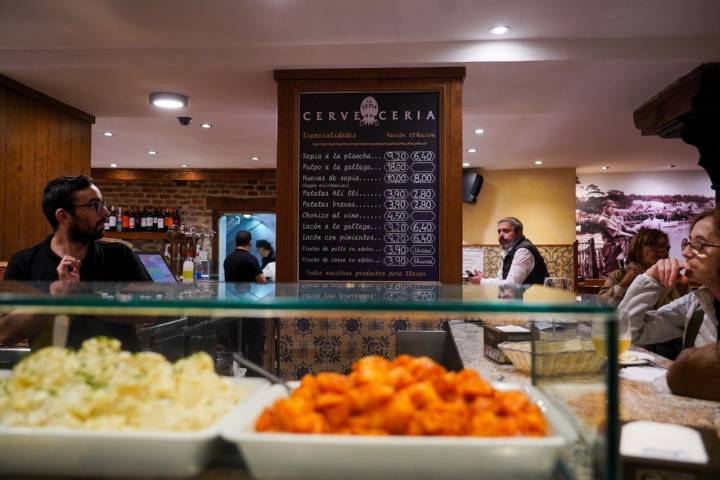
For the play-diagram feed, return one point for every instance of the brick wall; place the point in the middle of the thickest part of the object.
(153, 188)
(190, 196)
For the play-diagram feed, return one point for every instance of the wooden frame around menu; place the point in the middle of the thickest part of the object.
(446, 81)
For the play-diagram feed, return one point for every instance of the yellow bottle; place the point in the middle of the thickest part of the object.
(188, 270)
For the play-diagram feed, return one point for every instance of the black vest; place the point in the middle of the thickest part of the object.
(538, 273)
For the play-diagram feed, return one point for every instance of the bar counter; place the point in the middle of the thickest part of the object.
(638, 400)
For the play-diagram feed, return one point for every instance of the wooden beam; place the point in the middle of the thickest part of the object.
(215, 175)
(371, 73)
(233, 204)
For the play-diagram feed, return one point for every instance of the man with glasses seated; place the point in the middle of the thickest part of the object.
(693, 316)
(76, 212)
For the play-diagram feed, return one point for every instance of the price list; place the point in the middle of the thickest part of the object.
(368, 196)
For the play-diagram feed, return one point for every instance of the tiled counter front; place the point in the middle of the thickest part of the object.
(331, 344)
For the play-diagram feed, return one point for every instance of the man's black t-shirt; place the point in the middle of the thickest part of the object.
(241, 266)
(104, 261)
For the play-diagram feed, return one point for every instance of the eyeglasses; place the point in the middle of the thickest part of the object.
(696, 246)
(97, 205)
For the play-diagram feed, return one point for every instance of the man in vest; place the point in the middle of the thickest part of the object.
(521, 264)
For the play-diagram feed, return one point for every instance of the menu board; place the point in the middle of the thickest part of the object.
(368, 193)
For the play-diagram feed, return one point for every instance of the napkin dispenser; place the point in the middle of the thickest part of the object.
(495, 335)
(657, 451)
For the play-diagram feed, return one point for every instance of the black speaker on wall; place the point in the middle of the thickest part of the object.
(472, 183)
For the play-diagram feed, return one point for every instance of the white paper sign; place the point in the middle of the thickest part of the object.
(473, 258)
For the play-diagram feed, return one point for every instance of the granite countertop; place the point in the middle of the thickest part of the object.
(638, 400)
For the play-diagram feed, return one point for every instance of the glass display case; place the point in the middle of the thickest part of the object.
(566, 364)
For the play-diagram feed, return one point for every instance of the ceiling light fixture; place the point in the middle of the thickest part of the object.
(184, 165)
(499, 29)
(168, 100)
(672, 166)
(206, 125)
(254, 159)
(466, 164)
(479, 131)
(605, 167)
(108, 134)
(152, 152)
(538, 162)
(471, 150)
(113, 165)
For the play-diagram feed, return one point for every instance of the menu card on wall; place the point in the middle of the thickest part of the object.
(368, 196)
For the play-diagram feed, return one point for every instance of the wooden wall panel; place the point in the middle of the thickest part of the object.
(27, 173)
(40, 139)
(13, 152)
(42, 121)
(3, 161)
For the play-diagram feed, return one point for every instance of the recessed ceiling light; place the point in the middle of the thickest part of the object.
(672, 166)
(247, 216)
(254, 159)
(479, 131)
(184, 165)
(500, 30)
(605, 167)
(466, 164)
(152, 152)
(168, 100)
(206, 125)
(471, 150)
(113, 165)
(538, 162)
(108, 134)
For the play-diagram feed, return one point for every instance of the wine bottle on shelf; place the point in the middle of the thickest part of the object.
(138, 220)
(119, 225)
(112, 219)
(131, 219)
(144, 219)
(160, 220)
(168, 219)
(176, 217)
(126, 219)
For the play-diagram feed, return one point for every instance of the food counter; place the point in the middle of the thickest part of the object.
(361, 310)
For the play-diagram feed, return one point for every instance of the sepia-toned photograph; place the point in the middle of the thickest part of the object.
(610, 211)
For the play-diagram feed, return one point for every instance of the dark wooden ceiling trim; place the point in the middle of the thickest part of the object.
(371, 73)
(215, 175)
(45, 99)
(233, 204)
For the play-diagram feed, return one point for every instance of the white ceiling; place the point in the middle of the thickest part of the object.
(561, 87)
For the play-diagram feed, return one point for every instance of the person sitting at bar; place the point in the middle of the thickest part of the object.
(241, 265)
(692, 316)
(646, 248)
(74, 207)
(521, 260)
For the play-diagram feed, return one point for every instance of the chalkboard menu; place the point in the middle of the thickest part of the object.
(368, 193)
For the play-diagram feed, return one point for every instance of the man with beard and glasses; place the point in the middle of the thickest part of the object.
(521, 260)
(73, 253)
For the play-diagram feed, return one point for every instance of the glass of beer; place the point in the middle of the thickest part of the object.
(599, 338)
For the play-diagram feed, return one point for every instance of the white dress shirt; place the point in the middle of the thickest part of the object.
(520, 268)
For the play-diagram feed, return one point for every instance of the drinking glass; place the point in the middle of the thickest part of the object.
(599, 338)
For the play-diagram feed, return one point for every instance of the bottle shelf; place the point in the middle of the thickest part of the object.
(131, 235)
